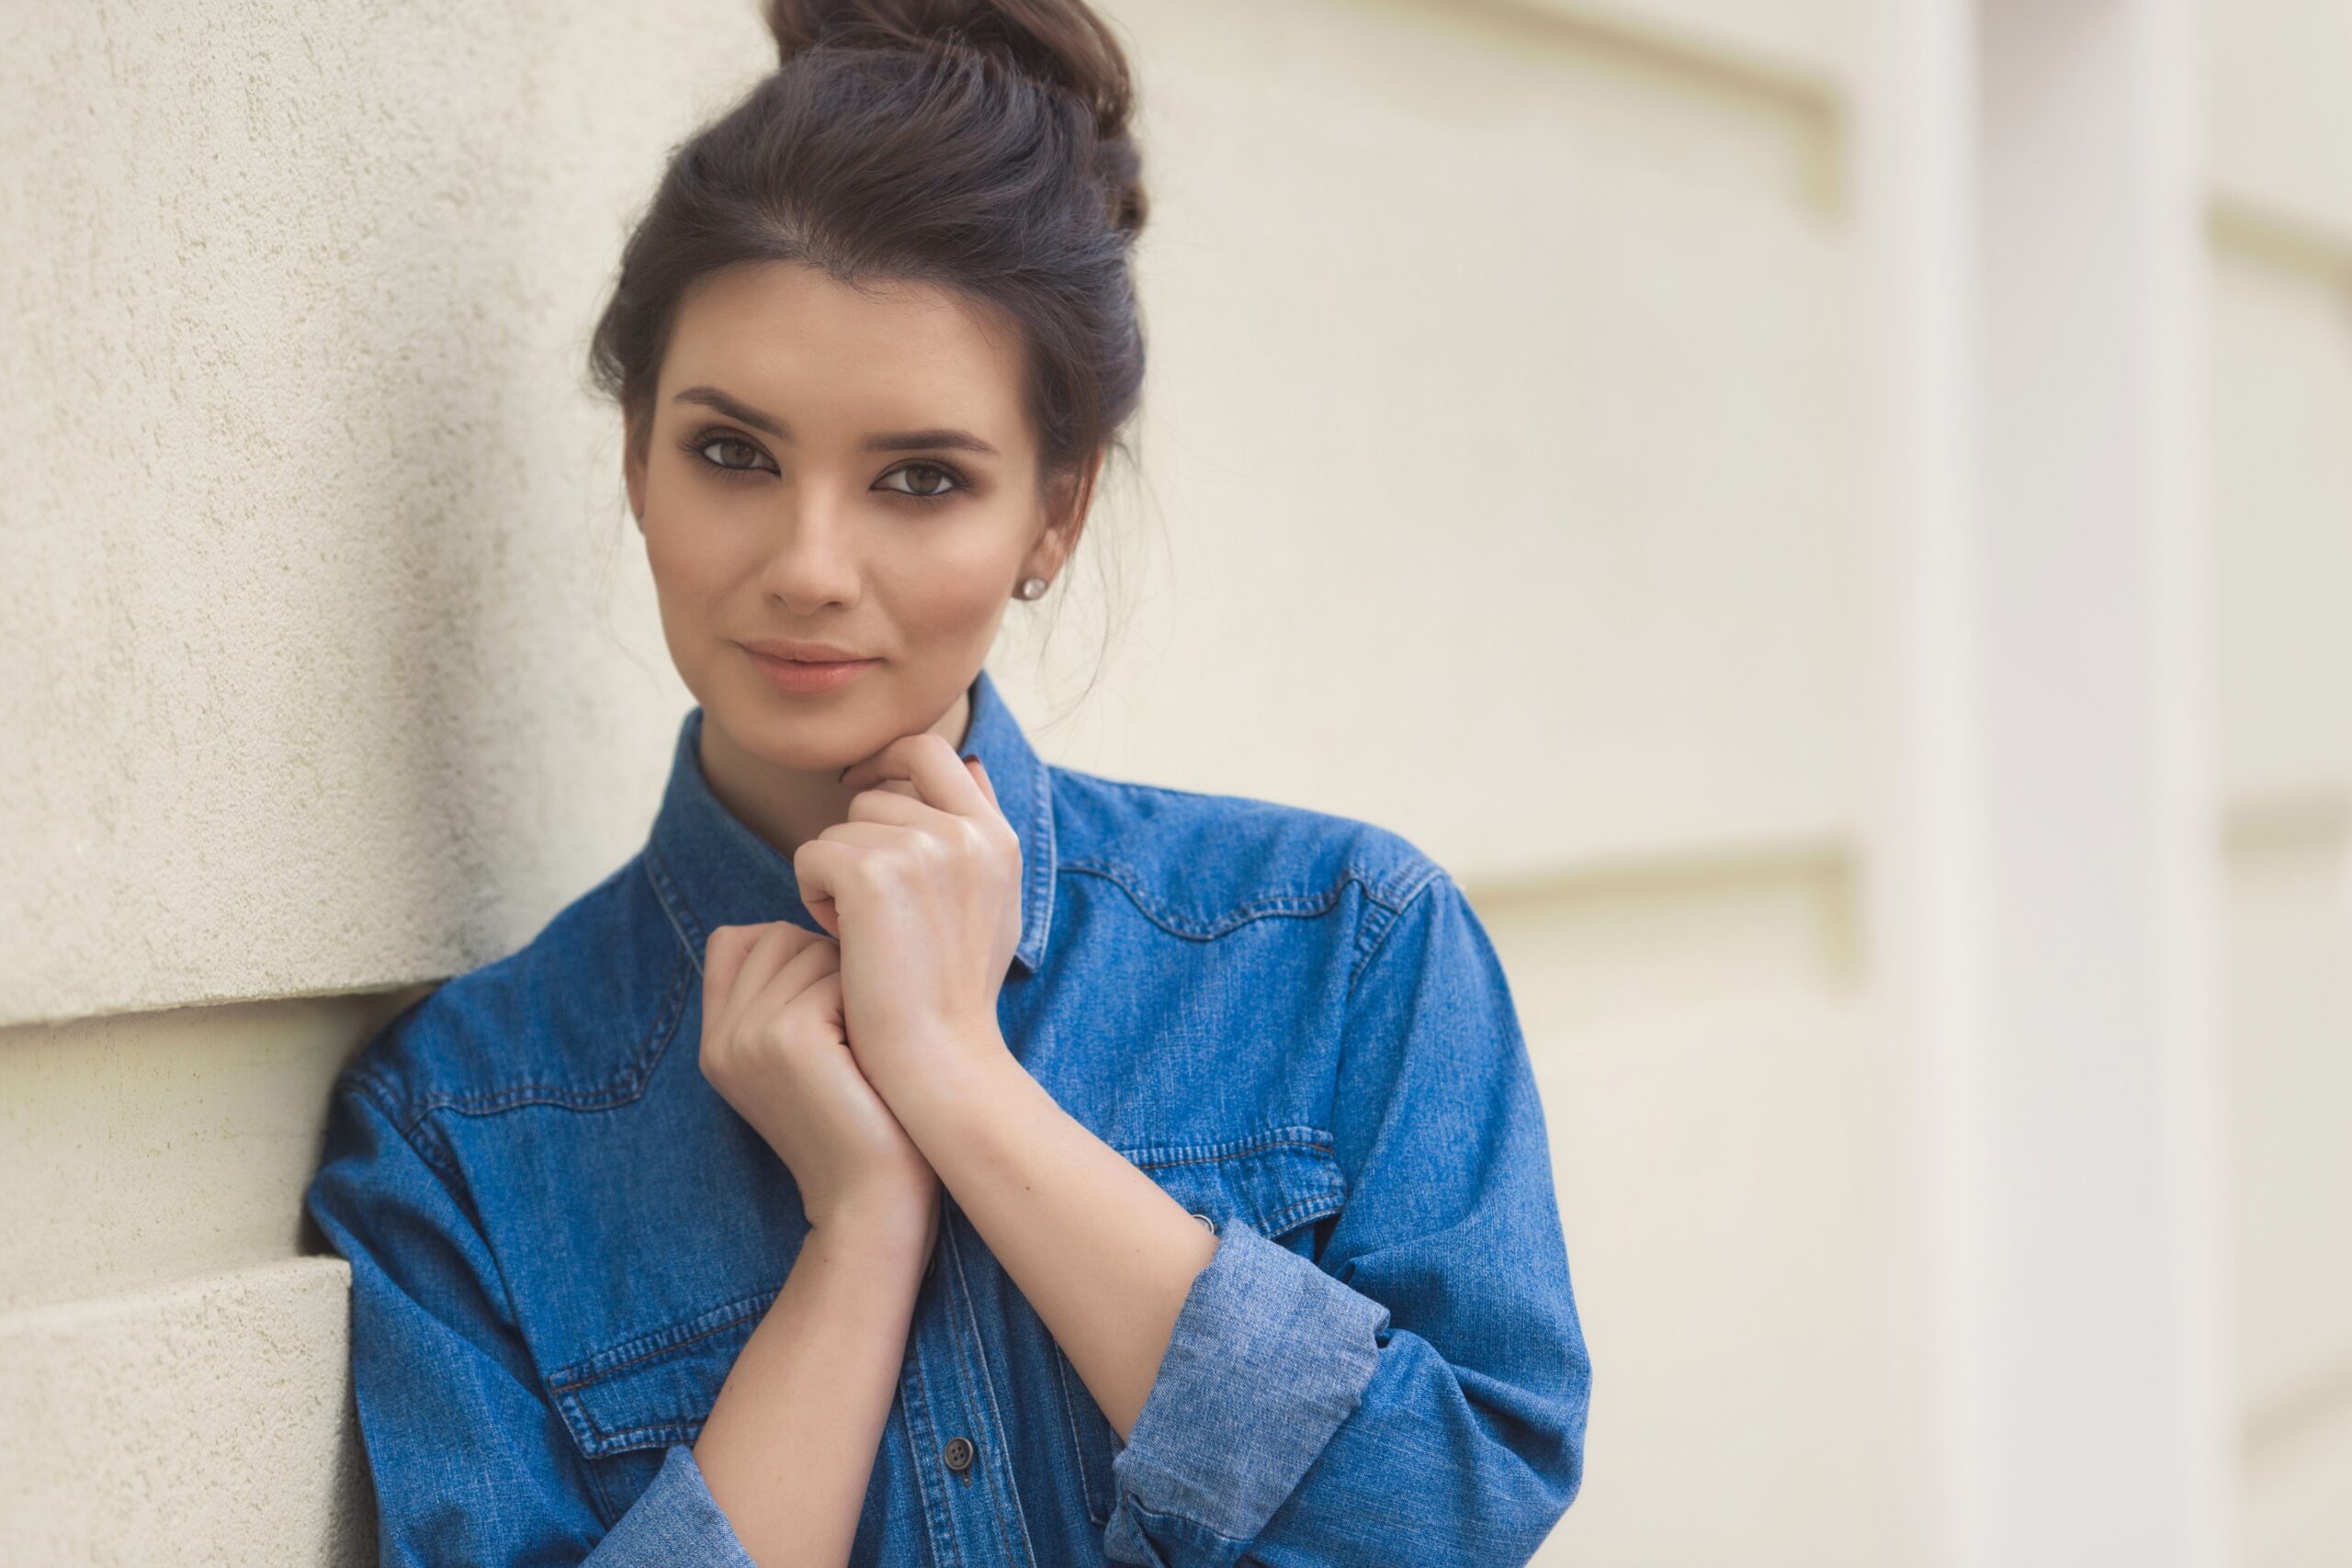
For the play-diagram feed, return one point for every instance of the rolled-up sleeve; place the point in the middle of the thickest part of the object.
(471, 1463)
(1415, 1392)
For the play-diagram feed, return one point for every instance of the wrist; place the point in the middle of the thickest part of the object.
(945, 1060)
(880, 1257)
(876, 1227)
(961, 1091)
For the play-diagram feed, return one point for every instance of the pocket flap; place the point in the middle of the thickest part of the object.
(655, 1389)
(1273, 1181)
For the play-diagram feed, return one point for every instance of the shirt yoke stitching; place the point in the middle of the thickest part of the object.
(625, 1086)
(1372, 932)
(1375, 890)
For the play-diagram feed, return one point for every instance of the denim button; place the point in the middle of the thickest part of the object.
(958, 1454)
(1206, 1224)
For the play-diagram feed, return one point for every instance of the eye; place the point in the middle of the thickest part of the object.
(711, 440)
(934, 473)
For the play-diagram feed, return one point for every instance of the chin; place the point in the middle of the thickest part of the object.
(805, 734)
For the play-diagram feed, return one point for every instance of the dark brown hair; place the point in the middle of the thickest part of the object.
(979, 145)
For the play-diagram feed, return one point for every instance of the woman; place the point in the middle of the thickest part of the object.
(918, 1153)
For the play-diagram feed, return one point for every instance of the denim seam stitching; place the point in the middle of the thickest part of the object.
(502, 1308)
(1238, 1154)
(1135, 1501)
(1306, 1208)
(1138, 785)
(672, 899)
(941, 1523)
(1297, 1136)
(409, 1122)
(1306, 903)
(1063, 1372)
(987, 1388)
(1432, 874)
(676, 1427)
(623, 1088)
(657, 1343)
(604, 1512)
(1395, 917)
(1239, 916)
(971, 1394)
(1040, 878)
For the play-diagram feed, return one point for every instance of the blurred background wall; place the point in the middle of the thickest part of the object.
(1505, 442)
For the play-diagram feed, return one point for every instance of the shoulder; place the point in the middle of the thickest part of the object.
(575, 1017)
(1200, 864)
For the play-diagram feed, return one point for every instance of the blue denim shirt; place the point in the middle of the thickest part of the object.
(561, 1235)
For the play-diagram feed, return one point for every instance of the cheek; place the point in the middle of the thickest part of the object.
(945, 588)
(689, 562)
(663, 557)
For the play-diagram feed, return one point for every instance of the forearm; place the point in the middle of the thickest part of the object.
(1099, 1249)
(788, 1449)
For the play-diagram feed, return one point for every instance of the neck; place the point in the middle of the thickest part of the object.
(789, 806)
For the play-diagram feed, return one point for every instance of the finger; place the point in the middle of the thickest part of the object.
(817, 1023)
(772, 944)
(869, 835)
(722, 956)
(937, 772)
(819, 865)
(901, 814)
(980, 771)
(819, 1001)
(889, 806)
(792, 978)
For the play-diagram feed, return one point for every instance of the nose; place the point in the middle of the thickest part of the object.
(812, 564)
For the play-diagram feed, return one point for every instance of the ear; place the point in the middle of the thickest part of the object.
(633, 470)
(1071, 501)
(1085, 500)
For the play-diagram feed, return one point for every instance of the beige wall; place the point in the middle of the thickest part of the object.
(2279, 75)
(1502, 413)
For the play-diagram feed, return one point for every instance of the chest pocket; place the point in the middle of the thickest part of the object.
(627, 1403)
(1278, 1182)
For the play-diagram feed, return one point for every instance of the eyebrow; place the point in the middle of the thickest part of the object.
(884, 440)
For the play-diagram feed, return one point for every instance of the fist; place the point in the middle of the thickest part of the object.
(921, 887)
(775, 1046)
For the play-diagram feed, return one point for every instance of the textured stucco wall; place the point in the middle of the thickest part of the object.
(147, 1148)
(190, 1423)
(306, 520)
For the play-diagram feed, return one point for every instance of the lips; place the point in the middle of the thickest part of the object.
(796, 651)
(803, 677)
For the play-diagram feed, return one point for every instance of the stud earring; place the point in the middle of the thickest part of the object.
(1031, 587)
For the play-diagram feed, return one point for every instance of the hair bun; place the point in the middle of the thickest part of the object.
(1060, 43)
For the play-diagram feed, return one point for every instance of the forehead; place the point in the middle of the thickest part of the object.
(794, 342)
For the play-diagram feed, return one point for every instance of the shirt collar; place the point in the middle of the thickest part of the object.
(710, 869)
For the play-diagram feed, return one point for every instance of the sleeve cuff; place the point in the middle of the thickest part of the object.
(1269, 1356)
(675, 1519)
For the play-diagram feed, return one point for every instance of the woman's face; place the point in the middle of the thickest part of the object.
(853, 469)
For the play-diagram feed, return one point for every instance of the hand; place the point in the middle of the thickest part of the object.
(922, 887)
(775, 1046)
